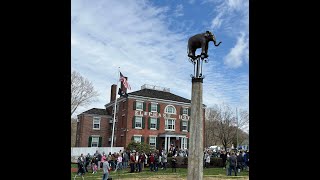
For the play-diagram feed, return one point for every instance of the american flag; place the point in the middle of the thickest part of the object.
(124, 81)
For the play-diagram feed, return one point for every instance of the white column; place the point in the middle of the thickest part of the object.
(169, 143)
(181, 142)
(165, 144)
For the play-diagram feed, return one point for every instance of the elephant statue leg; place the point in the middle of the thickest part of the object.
(191, 53)
(204, 52)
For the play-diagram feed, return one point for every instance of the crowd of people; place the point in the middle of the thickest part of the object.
(138, 161)
(235, 161)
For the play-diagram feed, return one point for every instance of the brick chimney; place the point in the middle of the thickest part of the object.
(113, 92)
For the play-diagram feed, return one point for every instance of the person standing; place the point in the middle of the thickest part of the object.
(94, 165)
(87, 161)
(141, 161)
(233, 163)
(81, 162)
(119, 162)
(106, 169)
(223, 156)
(99, 156)
(164, 160)
(228, 164)
(207, 161)
(132, 162)
(125, 160)
(173, 163)
(151, 160)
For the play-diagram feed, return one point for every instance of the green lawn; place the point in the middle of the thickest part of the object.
(181, 173)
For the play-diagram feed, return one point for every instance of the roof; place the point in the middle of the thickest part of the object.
(159, 95)
(96, 111)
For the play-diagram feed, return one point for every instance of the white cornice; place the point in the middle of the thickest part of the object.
(142, 98)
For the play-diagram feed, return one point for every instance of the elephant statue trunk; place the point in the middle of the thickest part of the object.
(216, 44)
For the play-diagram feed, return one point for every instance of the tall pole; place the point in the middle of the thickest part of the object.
(115, 111)
(195, 151)
(237, 127)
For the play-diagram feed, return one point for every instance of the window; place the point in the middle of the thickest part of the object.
(185, 111)
(153, 123)
(139, 105)
(138, 122)
(95, 142)
(170, 124)
(96, 123)
(152, 142)
(153, 107)
(170, 109)
(137, 138)
(184, 143)
(184, 126)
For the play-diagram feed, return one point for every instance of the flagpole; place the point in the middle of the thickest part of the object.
(237, 127)
(115, 111)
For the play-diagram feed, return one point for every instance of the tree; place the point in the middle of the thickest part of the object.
(224, 122)
(210, 128)
(82, 92)
(139, 147)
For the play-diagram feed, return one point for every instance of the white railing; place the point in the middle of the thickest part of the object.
(158, 88)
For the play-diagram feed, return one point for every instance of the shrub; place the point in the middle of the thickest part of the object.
(216, 162)
(182, 162)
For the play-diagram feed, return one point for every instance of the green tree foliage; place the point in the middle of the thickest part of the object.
(139, 147)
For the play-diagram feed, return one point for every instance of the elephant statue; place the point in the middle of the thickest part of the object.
(200, 41)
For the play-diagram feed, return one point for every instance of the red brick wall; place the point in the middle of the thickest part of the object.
(123, 127)
(146, 132)
(86, 129)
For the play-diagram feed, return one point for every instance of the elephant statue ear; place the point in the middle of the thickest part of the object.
(208, 33)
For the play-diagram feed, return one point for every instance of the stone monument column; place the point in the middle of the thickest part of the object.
(195, 156)
(196, 149)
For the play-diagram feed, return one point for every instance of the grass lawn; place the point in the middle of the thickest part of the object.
(208, 173)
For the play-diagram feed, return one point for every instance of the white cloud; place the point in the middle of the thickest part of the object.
(178, 11)
(216, 22)
(238, 53)
(236, 4)
(134, 35)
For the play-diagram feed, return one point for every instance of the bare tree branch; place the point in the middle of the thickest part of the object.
(82, 92)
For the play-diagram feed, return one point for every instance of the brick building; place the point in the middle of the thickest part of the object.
(92, 128)
(152, 115)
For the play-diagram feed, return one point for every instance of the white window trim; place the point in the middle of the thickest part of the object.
(183, 111)
(137, 136)
(137, 106)
(173, 124)
(166, 108)
(93, 119)
(186, 126)
(94, 137)
(155, 140)
(156, 107)
(135, 121)
(156, 124)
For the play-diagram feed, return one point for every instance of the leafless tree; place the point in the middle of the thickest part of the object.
(210, 127)
(82, 92)
(224, 124)
(243, 120)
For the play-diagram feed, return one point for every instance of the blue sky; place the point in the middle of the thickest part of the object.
(148, 41)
